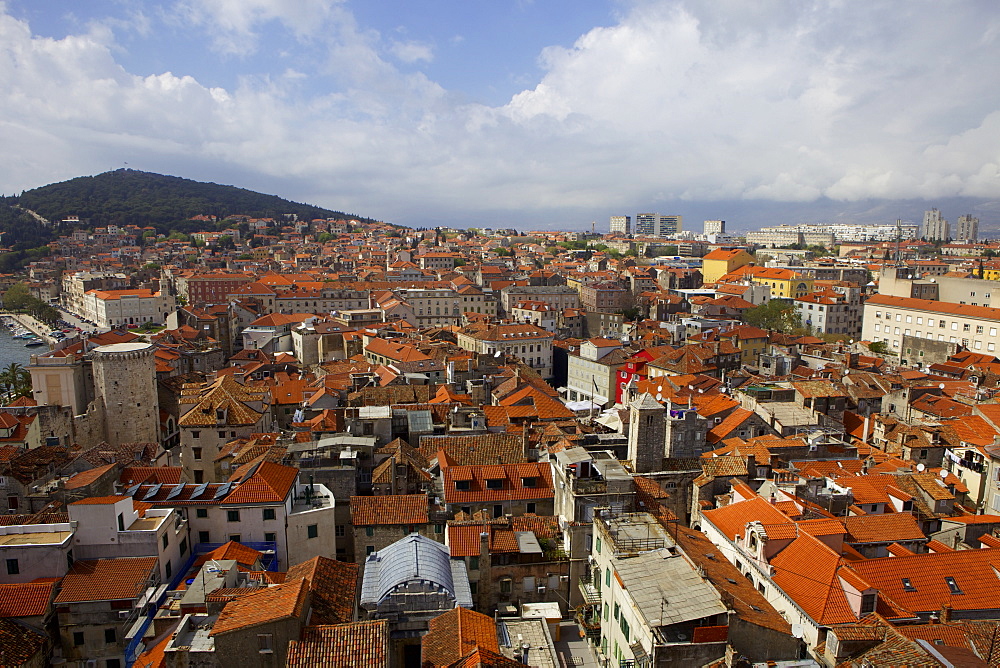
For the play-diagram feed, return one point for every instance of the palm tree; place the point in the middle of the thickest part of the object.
(15, 381)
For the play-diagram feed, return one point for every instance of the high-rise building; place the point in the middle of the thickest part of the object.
(715, 227)
(657, 225)
(621, 224)
(935, 227)
(967, 229)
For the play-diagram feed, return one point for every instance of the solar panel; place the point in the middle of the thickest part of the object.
(153, 491)
(199, 490)
(222, 491)
(252, 470)
(133, 489)
(175, 491)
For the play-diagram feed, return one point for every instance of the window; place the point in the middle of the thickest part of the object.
(505, 585)
(438, 528)
(196, 452)
(369, 549)
(497, 511)
(235, 537)
(232, 515)
(607, 577)
(312, 531)
(270, 537)
(166, 541)
(624, 627)
(121, 522)
(184, 546)
(494, 483)
(77, 638)
(339, 530)
(529, 483)
(110, 636)
(195, 434)
(222, 434)
(529, 508)
(269, 513)
(473, 563)
(868, 602)
(265, 643)
(203, 537)
(168, 569)
(369, 531)
(616, 612)
(952, 585)
(201, 512)
(462, 485)
(199, 476)
(13, 568)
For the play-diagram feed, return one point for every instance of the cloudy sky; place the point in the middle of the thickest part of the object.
(545, 113)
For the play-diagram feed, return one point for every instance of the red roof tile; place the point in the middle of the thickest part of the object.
(389, 509)
(107, 579)
(270, 604)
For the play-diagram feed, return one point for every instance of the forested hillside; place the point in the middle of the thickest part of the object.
(127, 196)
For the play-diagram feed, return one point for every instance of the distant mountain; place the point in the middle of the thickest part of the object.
(127, 196)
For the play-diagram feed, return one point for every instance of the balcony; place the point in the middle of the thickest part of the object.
(591, 593)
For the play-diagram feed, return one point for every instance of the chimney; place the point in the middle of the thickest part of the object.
(945, 613)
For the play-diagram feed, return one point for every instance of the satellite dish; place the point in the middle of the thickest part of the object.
(920, 468)
(658, 396)
(941, 386)
(943, 474)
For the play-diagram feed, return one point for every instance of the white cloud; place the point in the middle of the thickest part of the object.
(412, 52)
(792, 101)
(235, 24)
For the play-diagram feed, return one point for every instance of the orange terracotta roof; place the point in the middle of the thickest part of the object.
(107, 579)
(389, 509)
(333, 585)
(27, 599)
(454, 634)
(271, 604)
(341, 646)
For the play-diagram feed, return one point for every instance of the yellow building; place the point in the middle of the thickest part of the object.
(721, 262)
(784, 283)
(751, 341)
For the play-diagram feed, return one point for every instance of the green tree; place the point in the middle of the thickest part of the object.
(17, 297)
(879, 347)
(776, 314)
(324, 237)
(15, 381)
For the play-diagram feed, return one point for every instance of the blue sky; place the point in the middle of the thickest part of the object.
(533, 114)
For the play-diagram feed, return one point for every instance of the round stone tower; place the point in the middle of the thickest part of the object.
(125, 390)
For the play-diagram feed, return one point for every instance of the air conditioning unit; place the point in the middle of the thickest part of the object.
(541, 589)
(123, 614)
(564, 578)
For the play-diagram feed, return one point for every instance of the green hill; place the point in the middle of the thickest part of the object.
(126, 196)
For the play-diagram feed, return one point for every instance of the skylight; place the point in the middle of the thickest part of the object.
(952, 585)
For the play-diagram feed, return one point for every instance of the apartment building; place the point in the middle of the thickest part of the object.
(889, 319)
(531, 344)
(655, 608)
(115, 308)
(592, 371)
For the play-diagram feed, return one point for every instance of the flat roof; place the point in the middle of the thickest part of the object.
(34, 538)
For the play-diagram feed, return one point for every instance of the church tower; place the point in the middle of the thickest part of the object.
(646, 434)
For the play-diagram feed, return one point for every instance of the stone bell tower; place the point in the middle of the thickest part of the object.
(646, 434)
